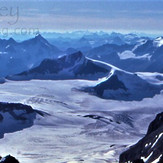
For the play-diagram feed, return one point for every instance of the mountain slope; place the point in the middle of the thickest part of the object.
(73, 66)
(144, 55)
(2, 80)
(9, 159)
(16, 57)
(150, 148)
(122, 85)
(15, 117)
(108, 52)
(121, 56)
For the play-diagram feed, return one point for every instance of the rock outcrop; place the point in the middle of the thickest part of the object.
(150, 148)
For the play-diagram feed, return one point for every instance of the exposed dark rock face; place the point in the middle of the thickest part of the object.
(122, 85)
(138, 161)
(2, 80)
(148, 148)
(161, 159)
(113, 84)
(116, 118)
(72, 66)
(9, 159)
(154, 125)
(1, 117)
(16, 116)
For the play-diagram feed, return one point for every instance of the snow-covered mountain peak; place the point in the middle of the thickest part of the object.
(140, 43)
(122, 85)
(5, 42)
(21, 55)
(72, 59)
(75, 57)
(70, 66)
(11, 41)
(158, 42)
(39, 37)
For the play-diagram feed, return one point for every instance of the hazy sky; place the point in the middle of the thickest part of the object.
(128, 15)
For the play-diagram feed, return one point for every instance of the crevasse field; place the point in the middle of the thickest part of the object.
(77, 127)
(81, 81)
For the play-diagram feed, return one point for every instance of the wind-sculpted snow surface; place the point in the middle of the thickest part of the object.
(150, 148)
(72, 66)
(79, 127)
(15, 117)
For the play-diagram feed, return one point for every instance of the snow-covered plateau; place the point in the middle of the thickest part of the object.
(78, 127)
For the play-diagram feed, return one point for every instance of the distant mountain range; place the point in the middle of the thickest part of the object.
(145, 55)
(150, 148)
(16, 57)
(85, 41)
(128, 51)
(116, 83)
(72, 66)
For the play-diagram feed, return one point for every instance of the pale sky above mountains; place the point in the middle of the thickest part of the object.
(63, 15)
